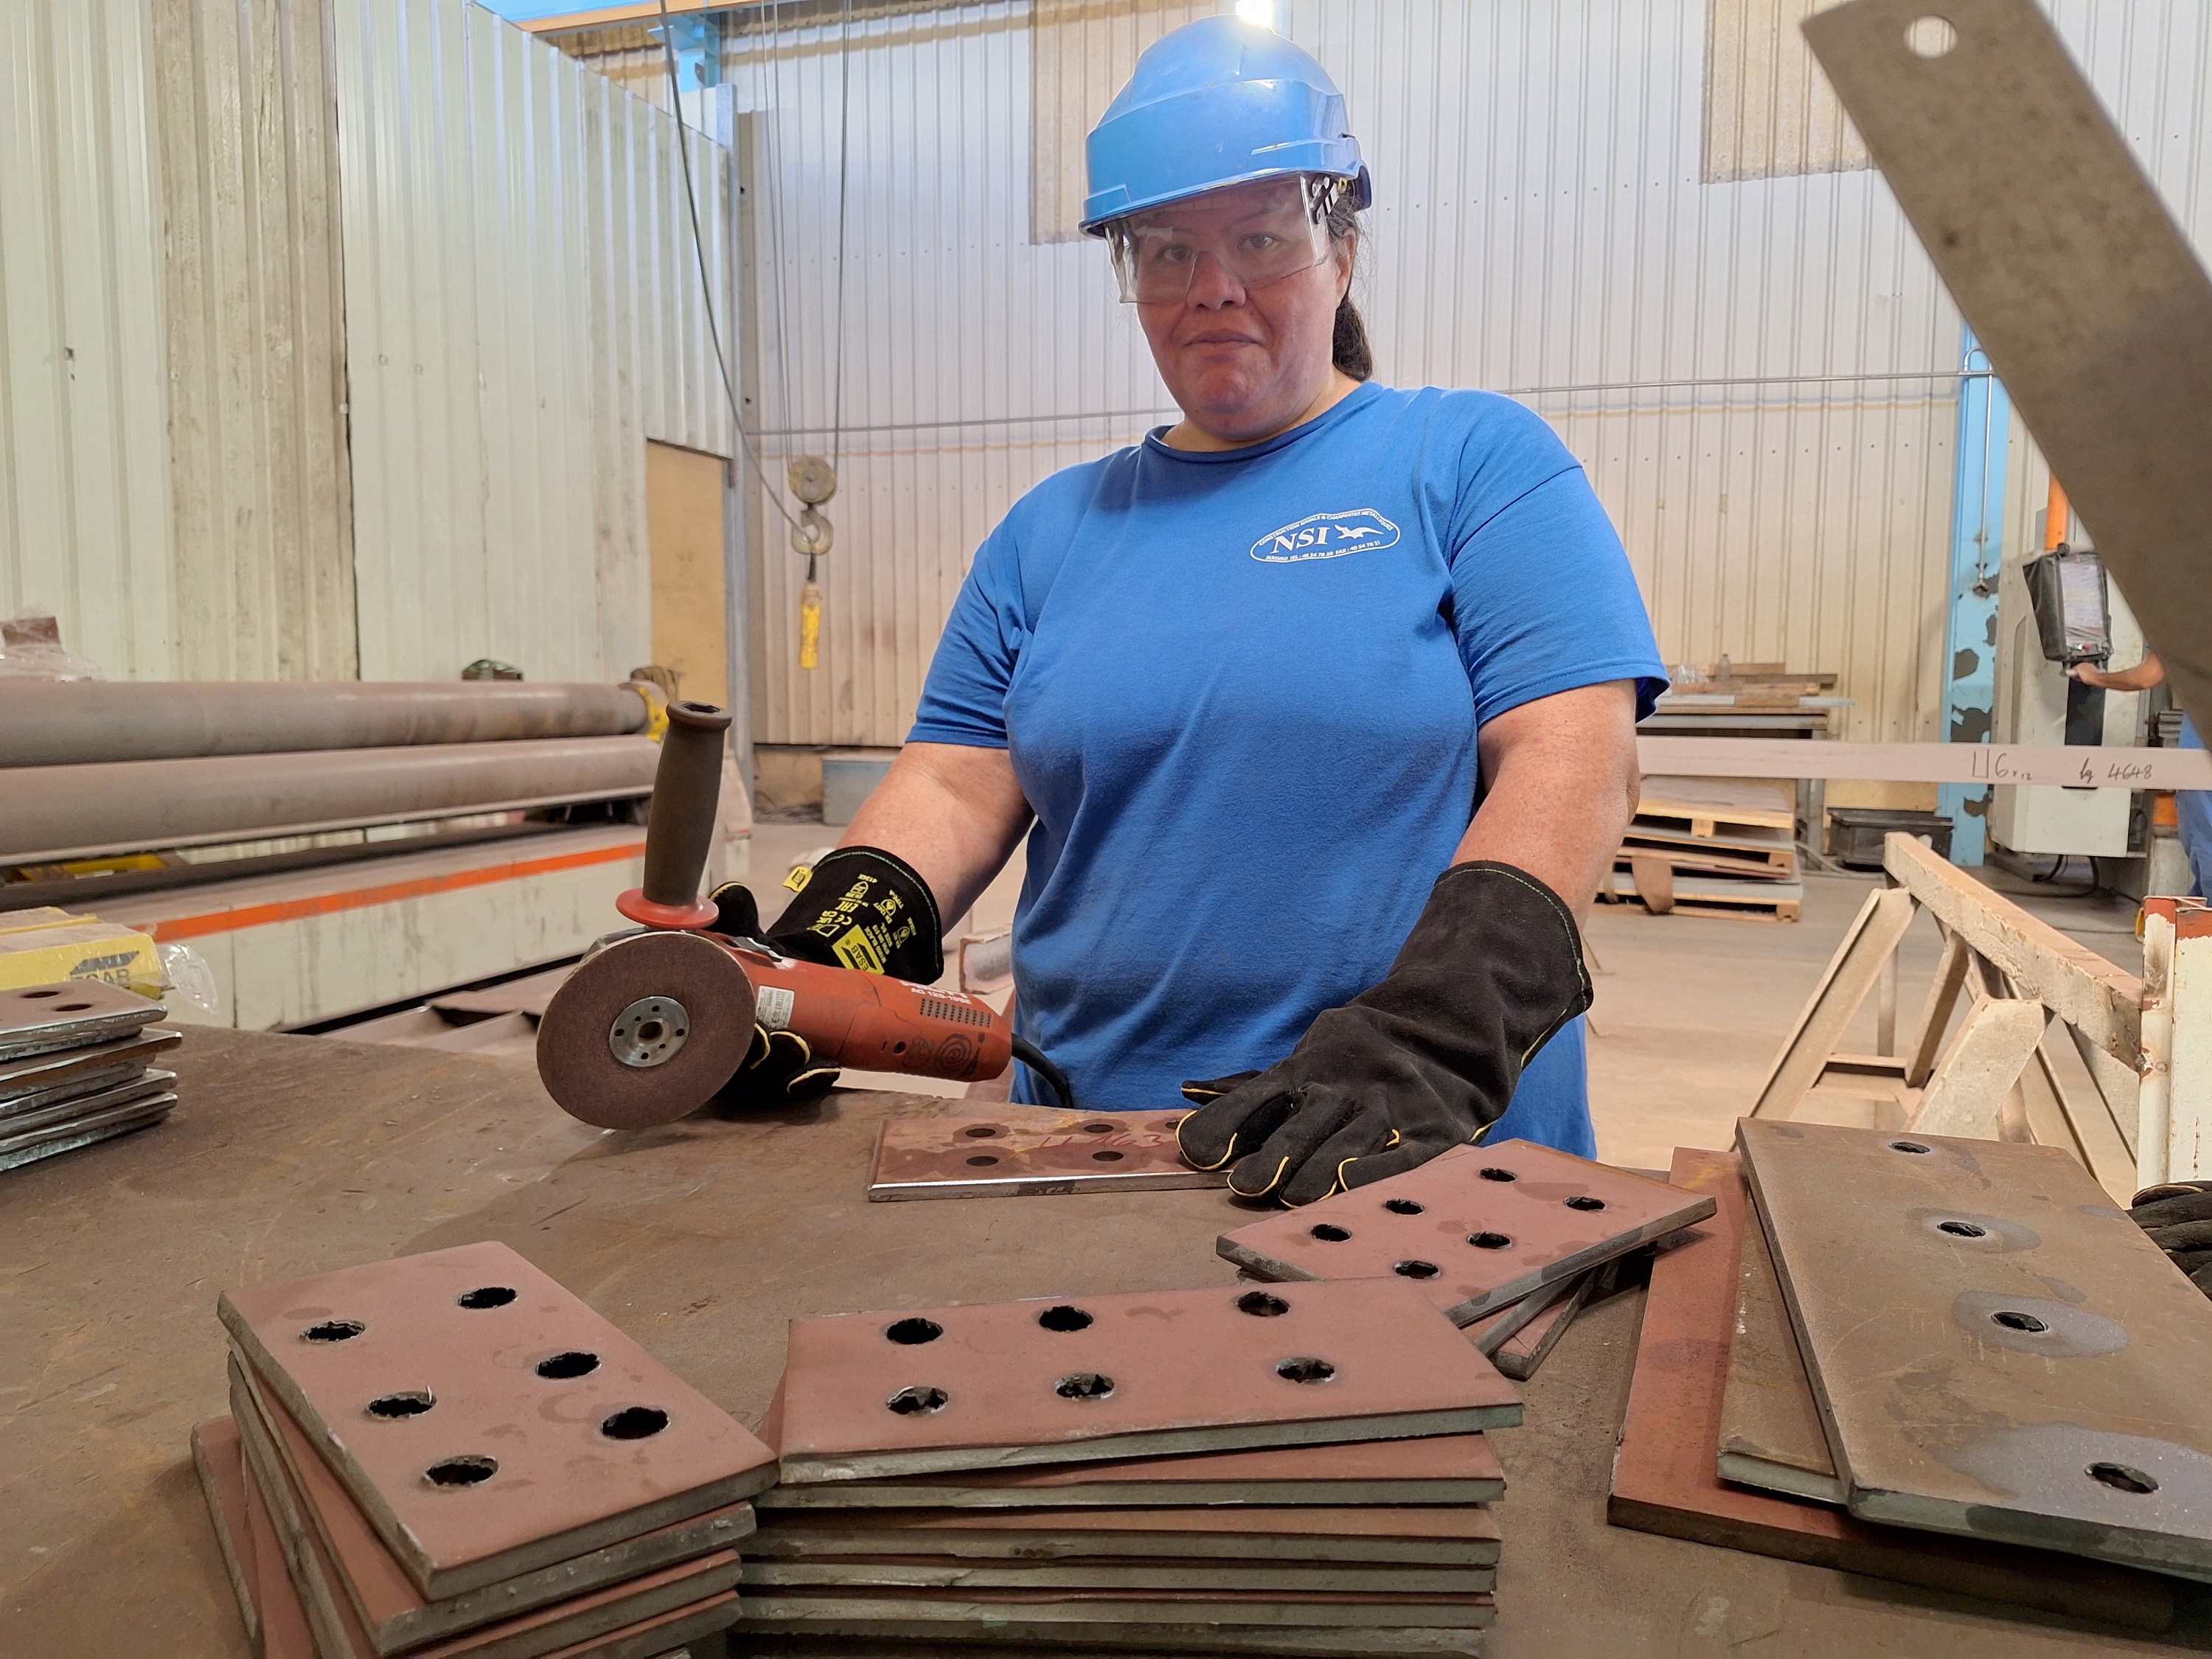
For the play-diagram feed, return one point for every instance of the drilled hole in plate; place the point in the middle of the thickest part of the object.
(1962, 1230)
(981, 1131)
(413, 1402)
(1404, 1207)
(1417, 1270)
(981, 1162)
(487, 1295)
(1098, 1128)
(1107, 1156)
(1584, 1201)
(333, 1330)
(1084, 1385)
(40, 996)
(2013, 1320)
(913, 1333)
(1488, 1241)
(461, 1471)
(2121, 1478)
(1930, 37)
(1262, 1305)
(898, 1047)
(1065, 1318)
(1305, 1370)
(1168, 1124)
(562, 1366)
(1494, 1174)
(1912, 1146)
(1329, 1233)
(634, 1423)
(70, 1007)
(918, 1402)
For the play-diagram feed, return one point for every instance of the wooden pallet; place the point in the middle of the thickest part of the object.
(1701, 806)
(1715, 896)
(1727, 856)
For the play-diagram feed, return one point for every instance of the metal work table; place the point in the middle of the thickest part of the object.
(289, 1155)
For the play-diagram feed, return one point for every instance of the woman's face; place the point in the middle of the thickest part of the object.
(1243, 356)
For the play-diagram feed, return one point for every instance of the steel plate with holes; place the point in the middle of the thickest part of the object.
(1771, 1432)
(139, 1111)
(486, 1421)
(1022, 1151)
(1996, 1348)
(76, 1068)
(21, 1117)
(37, 1019)
(1475, 1230)
(1124, 1376)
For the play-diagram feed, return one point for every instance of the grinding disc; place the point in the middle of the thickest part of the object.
(646, 1031)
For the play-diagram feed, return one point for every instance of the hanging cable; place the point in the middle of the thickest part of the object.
(844, 161)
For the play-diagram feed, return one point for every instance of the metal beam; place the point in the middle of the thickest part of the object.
(1970, 642)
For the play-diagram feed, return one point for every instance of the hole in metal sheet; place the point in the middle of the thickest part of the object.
(1329, 1233)
(1912, 1146)
(1098, 1128)
(1499, 1175)
(1305, 1370)
(562, 1366)
(1962, 1230)
(913, 1333)
(634, 1423)
(333, 1330)
(41, 995)
(918, 1402)
(1417, 1270)
(2121, 1478)
(1084, 1385)
(1168, 1124)
(898, 1047)
(981, 1162)
(1262, 1305)
(1404, 1207)
(2013, 1320)
(487, 1295)
(1107, 1156)
(1065, 1318)
(70, 1007)
(1488, 1241)
(412, 1403)
(981, 1131)
(461, 1471)
(1584, 1202)
(1930, 37)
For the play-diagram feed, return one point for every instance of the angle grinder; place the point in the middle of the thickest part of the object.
(655, 1021)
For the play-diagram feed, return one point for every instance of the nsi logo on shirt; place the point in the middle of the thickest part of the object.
(1326, 536)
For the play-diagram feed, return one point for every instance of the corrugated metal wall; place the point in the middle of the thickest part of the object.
(1757, 372)
(523, 313)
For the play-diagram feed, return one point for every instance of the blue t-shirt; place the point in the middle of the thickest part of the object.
(1241, 691)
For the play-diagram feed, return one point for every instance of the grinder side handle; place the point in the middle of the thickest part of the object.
(679, 829)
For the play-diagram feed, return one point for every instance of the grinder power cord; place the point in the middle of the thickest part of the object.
(1423, 1062)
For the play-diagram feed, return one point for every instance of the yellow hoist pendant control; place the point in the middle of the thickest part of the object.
(810, 625)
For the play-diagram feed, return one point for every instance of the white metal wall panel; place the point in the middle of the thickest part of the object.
(84, 478)
(518, 325)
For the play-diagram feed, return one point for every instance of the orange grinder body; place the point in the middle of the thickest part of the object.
(874, 1023)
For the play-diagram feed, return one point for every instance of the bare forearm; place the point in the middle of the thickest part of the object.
(953, 813)
(1561, 784)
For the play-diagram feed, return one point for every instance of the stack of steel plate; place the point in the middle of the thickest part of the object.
(1295, 1470)
(449, 1455)
(73, 1067)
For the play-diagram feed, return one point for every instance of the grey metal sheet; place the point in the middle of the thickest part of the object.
(1176, 1574)
(82, 1129)
(873, 1639)
(1023, 1151)
(1472, 1611)
(1771, 1432)
(21, 1117)
(1996, 1349)
(2079, 285)
(38, 1019)
(1464, 1535)
(71, 1067)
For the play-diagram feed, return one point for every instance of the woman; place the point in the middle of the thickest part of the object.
(1244, 686)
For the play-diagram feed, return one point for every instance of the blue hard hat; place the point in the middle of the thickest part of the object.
(1218, 102)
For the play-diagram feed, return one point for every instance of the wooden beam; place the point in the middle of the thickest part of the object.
(1967, 1095)
(1851, 972)
(1928, 762)
(1935, 1018)
(2088, 993)
(601, 17)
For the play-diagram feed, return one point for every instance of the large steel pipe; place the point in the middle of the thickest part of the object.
(78, 722)
(52, 812)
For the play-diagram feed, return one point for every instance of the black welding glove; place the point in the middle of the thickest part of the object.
(2177, 1217)
(860, 908)
(1419, 1064)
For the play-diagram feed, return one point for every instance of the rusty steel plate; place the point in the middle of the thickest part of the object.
(1771, 1432)
(1463, 1536)
(83, 1067)
(1493, 1330)
(1021, 1152)
(1996, 1348)
(336, 1620)
(1475, 1230)
(1055, 1380)
(1173, 1574)
(862, 1638)
(1457, 1469)
(487, 1422)
(1524, 1350)
(38, 1019)
(390, 1608)
(1315, 1609)
(22, 1118)
(280, 1613)
(218, 1460)
(139, 1111)
(1664, 1480)
(701, 1007)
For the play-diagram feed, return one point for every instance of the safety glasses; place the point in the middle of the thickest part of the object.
(1258, 234)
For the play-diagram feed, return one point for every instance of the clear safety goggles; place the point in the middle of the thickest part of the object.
(1259, 234)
